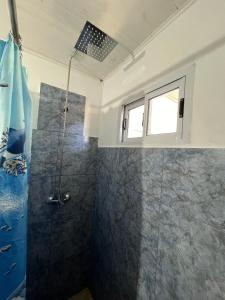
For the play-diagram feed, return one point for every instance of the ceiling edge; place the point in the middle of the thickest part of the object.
(128, 60)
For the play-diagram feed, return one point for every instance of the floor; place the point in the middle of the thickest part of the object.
(83, 295)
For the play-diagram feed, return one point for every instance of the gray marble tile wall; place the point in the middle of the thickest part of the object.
(159, 216)
(159, 228)
(59, 238)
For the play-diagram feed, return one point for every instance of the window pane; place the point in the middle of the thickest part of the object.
(163, 113)
(135, 124)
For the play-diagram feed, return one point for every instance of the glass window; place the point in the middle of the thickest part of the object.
(163, 111)
(159, 116)
(135, 122)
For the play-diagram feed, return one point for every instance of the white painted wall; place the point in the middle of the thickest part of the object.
(41, 69)
(196, 36)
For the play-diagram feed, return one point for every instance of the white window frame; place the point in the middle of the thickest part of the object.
(183, 134)
(125, 118)
(165, 137)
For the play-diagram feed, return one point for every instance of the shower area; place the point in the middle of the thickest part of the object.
(94, 205)
(60, 232)
(62, 187)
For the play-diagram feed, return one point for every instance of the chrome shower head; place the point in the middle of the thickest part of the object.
(94, 42)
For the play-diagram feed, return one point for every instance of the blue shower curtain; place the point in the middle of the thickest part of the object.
(15, 141)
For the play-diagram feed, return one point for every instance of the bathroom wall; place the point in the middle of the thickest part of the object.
(44, 69)
(56, 75)
(195, 36)
(159, 224)
(59, 237)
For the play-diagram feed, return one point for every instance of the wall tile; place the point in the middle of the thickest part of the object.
(50, 116)
(51, 110)
(40, 187)
(45, 146)
(79, 158)
(59, 237)
(191, 245)
(158, 227)
(117, 223)
(159, 224)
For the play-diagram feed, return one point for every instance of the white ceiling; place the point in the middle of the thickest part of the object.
(52, 27)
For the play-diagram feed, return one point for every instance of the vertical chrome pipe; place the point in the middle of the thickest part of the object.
(14, 22)
(65, 120)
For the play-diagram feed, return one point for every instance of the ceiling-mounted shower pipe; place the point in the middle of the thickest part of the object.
(14, 22)
(59, 197)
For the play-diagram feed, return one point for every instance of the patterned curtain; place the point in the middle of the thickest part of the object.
(15, 142)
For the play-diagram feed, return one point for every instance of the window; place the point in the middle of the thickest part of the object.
(165, 109)
(163, 115)
(133, 120)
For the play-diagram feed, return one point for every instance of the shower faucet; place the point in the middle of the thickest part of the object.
(59, 199)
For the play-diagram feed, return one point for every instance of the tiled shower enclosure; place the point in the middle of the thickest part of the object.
(59, 248)
(142, 224)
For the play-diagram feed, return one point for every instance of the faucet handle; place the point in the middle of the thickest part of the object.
(66, 197)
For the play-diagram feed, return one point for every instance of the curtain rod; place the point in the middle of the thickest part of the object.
(14, 22)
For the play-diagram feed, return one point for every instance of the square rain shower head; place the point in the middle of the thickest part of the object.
(94, 42)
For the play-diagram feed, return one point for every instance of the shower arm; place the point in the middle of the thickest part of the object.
(14, 22)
